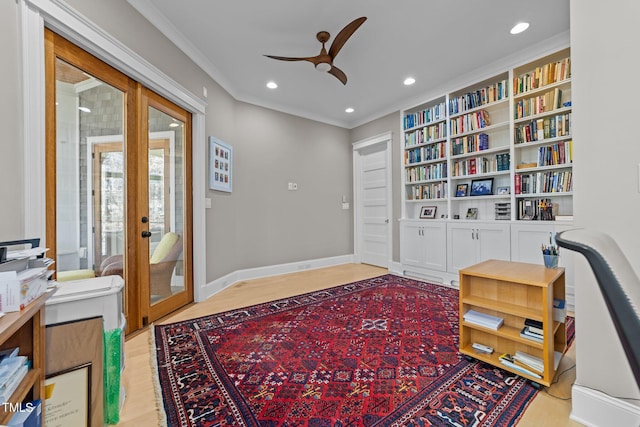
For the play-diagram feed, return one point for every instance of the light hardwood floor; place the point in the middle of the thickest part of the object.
(140, 408)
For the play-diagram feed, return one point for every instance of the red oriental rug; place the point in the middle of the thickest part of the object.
(379, 352)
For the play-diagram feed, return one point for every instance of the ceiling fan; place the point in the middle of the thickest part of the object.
(324, 61)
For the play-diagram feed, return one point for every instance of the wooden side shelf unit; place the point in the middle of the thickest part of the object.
(513, 291)
(26, 329)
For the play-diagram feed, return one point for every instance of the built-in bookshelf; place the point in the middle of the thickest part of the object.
(511, 131)
(425, 153)
(543, 144)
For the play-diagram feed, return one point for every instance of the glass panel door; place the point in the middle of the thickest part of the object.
(90, 178)
(167, 217)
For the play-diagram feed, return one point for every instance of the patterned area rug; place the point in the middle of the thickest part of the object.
(379, 352)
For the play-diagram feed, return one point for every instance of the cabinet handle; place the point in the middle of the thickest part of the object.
(477, 234)
(472, 238)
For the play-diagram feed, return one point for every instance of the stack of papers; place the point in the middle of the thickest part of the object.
(483, 319)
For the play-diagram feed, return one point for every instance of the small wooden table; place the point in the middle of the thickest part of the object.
(514, 291)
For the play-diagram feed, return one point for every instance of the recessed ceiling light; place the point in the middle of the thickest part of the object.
(349, 110)
(272, 85)
(409, 81)
(519, 27)
(84, 109)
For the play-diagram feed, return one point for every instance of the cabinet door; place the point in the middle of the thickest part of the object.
(461, 246)
(434, 238)
(411, 244)
(526, 240)
(493, 242)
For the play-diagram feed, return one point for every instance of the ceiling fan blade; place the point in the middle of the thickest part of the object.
(339, 74)
(344, 35)
(312, 59)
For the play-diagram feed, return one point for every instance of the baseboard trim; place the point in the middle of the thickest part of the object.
(224, 282)
(594, 409)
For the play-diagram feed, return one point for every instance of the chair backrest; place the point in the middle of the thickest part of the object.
(618, 283)
(169, 248)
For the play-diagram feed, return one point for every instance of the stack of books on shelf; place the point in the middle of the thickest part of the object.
(483, 319)
(517, 362)
(13, 369)
(532, 331)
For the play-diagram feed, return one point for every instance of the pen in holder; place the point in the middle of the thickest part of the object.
(550, 254)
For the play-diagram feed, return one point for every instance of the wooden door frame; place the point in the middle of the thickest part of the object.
(387, 140)
(135, 130)
(161, 308)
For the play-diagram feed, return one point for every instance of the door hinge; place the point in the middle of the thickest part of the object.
(145, 320)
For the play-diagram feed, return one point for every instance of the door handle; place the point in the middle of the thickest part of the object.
(146, 234)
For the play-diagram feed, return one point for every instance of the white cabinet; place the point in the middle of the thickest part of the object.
(423, 244)
(469, 243)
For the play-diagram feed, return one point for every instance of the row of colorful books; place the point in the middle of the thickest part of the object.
(469, 144)
(543, 128)
(425, 135)
(542, 76)
(437, 112)
(470, 100)
(426, 153)
(544, 103)
(436, 190)
(425, 172)
(469, 122)
(543, 182)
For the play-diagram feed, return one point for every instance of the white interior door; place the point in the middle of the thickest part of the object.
(372, 181)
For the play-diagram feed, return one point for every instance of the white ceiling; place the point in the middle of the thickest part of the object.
(438, 42)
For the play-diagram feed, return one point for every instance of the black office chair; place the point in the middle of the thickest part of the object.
(618, 282)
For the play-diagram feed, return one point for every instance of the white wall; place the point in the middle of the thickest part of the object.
(11, 188)
(604, 46)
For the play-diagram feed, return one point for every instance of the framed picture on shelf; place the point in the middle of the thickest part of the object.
(482, 187)
(472, 213)
(220, 165)
(504, 190)
(428, 212)
(461, 190)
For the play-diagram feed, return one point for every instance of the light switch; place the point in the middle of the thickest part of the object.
(207, 203)
(345, 206)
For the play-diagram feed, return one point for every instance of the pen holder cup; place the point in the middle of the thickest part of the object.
(551, 261)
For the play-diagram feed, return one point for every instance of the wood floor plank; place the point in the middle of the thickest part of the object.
(140, 408)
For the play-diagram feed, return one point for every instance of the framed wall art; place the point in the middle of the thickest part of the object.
(220, 165)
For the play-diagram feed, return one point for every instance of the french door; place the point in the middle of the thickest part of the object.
(118, 182)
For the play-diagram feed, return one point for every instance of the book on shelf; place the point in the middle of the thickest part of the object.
(483, 319)
(535, 323)
(528, 334)
(510, 361)
(533, 362)
(29, 415)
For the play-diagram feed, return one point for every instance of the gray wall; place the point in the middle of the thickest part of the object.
(11, 148)
(607, 153)
(260, 223)
(388, 123)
